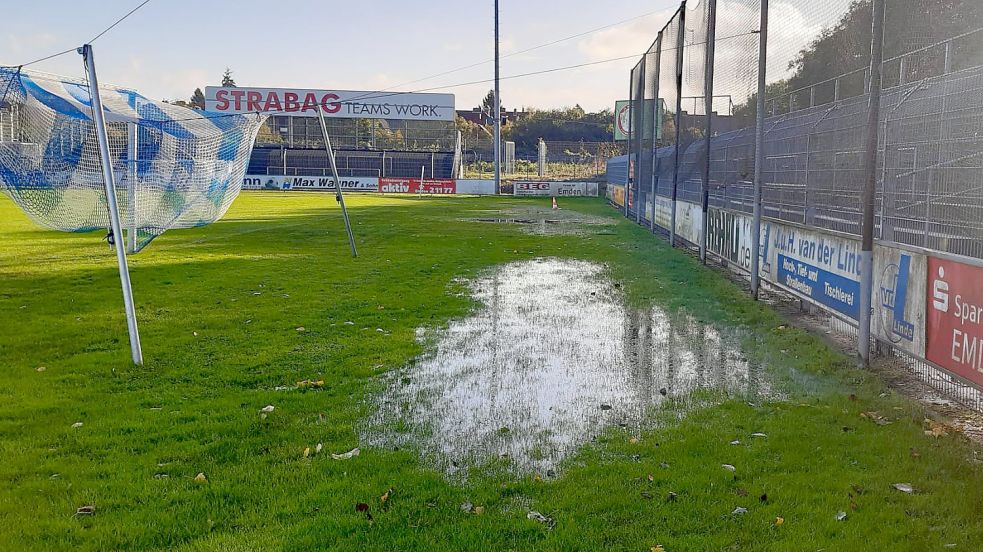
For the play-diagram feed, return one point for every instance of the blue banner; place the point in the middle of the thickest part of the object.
(832, 290)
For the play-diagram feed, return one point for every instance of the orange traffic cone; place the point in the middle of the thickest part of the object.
(555, 206)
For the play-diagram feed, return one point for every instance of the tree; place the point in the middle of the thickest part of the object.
(227, 80)
(488, 104)
(198, 99)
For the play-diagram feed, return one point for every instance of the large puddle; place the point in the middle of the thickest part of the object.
(551, 358)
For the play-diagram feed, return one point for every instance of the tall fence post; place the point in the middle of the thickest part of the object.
(631, 147)
(708, 110)
(656, 127)
(870, 181)
(640, 165)
(759, 151)
(680, 36)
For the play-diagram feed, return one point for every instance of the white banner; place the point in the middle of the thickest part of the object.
(345, 104)
(476, 186)
(544, 188)
(898, 303)
(276, 182)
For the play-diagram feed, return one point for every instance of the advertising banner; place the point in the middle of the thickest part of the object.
(617, 195)
(729, 236)
(345, 104)
(434, 186)
(548, 188)
(476, 186)
(689, 220)
(622, 114)
(898, 302)
(279, 182)
(821, 267)
(954, 317)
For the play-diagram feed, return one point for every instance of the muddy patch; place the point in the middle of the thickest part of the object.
(546, 221)
(551, 358)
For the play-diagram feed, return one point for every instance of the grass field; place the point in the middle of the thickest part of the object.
(220, 308)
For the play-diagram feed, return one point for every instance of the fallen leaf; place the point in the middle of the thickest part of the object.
(728, 467)
(741, 491)
(534, 515)
(657, 548)
(200, 478)
(779, 520)
(651, 478)
(840, 516)
(385, 496)
(633, 440)
(739, 510)
(904, 487)
(478, 510)
(307, 452)
(935, 429)
(346, 455)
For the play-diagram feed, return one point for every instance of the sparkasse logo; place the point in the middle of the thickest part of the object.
(940, 292)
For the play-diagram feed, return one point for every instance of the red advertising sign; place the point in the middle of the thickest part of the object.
(954, 318)
(438, 186)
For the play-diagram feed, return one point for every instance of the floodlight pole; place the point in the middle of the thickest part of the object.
(99, 121)
(498, 113)
(759, 152)
(337, 180)
(870, 182)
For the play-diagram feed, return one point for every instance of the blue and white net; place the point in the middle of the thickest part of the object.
(174, 167)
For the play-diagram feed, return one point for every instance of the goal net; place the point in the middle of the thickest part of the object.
(174, 167)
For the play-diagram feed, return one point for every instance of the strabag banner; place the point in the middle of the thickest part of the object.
(345, 104)
(954, 318)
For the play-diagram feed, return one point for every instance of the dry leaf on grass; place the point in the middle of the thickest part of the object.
(346, 455)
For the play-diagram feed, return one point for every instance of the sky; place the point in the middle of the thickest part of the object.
(169, 47)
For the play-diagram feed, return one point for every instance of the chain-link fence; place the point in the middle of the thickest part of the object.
(553, 160)
(693, 159)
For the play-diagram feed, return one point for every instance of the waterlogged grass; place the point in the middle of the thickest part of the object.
(220, 309)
